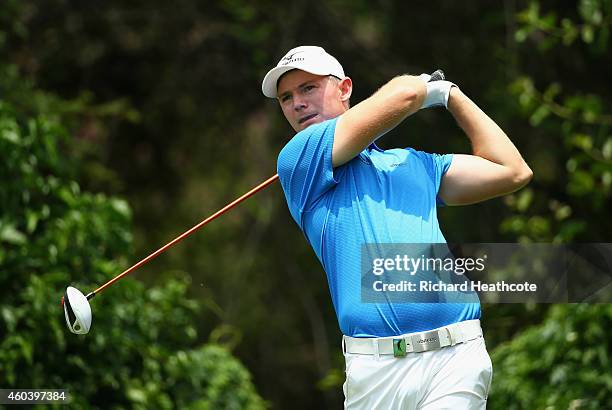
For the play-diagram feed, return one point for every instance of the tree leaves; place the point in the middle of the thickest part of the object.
(52, 234)
(558, 364)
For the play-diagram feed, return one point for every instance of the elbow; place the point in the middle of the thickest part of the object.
(522, 176)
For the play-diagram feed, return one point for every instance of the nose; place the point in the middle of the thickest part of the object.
(299, 103)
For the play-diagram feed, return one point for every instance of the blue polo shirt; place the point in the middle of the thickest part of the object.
(379, 197)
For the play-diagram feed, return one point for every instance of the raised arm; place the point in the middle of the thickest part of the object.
(495, 167)
(365, 122)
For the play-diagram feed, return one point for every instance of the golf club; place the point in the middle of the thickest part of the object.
(76, 306)
(437, 75)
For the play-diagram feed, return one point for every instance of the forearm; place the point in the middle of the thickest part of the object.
(390, 105)
(404, 94)
(488, 140)
(385, 109)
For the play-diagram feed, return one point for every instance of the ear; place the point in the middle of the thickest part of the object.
(346, 89)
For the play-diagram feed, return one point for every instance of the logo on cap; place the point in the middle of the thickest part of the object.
(289, 58)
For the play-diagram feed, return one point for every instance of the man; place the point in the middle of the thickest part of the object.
(343, 191)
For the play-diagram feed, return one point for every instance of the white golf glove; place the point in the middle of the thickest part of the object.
(437, 92)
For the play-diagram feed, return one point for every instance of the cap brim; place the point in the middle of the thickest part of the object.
(268, 86)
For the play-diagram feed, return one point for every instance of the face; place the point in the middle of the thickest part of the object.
(308, 99)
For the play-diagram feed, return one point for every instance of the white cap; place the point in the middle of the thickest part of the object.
(312, 59)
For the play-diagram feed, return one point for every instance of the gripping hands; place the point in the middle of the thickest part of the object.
(438, 89)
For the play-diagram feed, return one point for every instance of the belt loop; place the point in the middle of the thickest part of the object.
(376, 348)
(455, 334)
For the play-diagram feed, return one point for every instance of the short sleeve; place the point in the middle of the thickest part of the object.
(305, 167)
(441, 163)
(436, 166)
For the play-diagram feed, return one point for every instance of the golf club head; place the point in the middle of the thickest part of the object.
(77, 311)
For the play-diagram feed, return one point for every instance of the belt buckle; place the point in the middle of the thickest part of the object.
(425, 341)
(399, 347)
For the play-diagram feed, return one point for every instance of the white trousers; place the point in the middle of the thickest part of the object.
(454, 377)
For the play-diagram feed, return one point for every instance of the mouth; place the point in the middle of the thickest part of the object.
(306, 118)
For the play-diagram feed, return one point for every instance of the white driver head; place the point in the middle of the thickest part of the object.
(77, 311)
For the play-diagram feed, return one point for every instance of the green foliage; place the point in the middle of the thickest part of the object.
(165, 106)
(593, 27)
(564, 363)
(142, 351)
(577, 123)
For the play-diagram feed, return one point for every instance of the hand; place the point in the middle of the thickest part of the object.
(438, 91)
(425, 77)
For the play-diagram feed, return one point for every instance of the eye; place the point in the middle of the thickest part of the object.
(309, 88)
(285, 98)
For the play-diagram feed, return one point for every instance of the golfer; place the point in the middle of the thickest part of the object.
(344, 191)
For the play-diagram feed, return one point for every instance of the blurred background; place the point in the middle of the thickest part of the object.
(122, 124)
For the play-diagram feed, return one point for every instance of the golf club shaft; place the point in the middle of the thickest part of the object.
(185, 234)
